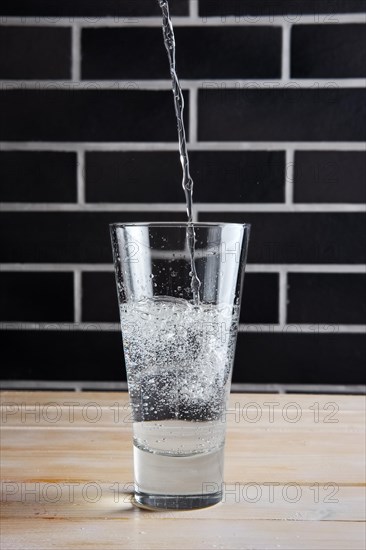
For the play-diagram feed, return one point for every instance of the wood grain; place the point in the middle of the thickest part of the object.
(294, 471)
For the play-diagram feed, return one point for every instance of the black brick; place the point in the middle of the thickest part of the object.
(90, 8)
(295, 358)
(133, 177)
(89, 115)
(35, 52)
(99, 302)
(36, 297)
(328, 51)
(282, 115)
(219, 176)
(37, 176)
(72, 354)
(327, 298)
(232, 176)
(66, 236)
(260, 357)
(330, 176)
(251, 52)
(260, 298)
(280, 7)
(296, 238)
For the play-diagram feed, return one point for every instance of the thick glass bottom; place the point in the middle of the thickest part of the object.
(176, 502)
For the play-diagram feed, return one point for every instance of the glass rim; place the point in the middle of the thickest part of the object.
(178, 224)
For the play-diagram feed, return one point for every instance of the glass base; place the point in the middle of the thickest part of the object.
(175, 502)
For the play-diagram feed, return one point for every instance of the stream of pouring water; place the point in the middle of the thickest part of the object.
(187, 182)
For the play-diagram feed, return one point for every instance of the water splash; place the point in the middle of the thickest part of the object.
(187, 182)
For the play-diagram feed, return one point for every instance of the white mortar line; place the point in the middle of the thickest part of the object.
(282, 298)
(180, 207)
(193, 116)
(194, 211)
(279, 207)
(294, 388)
(75, 53)
(57, 267)
(289, 177)
(250, 268)
(193, 12)
(76, 84)
(77, 296)
(334, 18)
(180, 21)
(70, 327)
(172, 146)
(307, 268)
(314, 328)
(81, 385)
(80, 178)
(92, 207)
(61, 386)
(286, 51)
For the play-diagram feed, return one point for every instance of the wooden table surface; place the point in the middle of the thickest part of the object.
(294, 476)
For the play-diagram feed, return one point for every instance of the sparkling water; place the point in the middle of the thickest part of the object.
(179, 358)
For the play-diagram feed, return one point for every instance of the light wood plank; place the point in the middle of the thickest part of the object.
(241, 501)
(168, 534)
(276, 472)
(250, 457)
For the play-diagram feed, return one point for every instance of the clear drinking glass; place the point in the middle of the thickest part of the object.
(179, 352)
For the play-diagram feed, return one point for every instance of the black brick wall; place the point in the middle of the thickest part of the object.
(255, 53)
(33, 52)
(282, 115)
(219, 176)
(275, 115)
